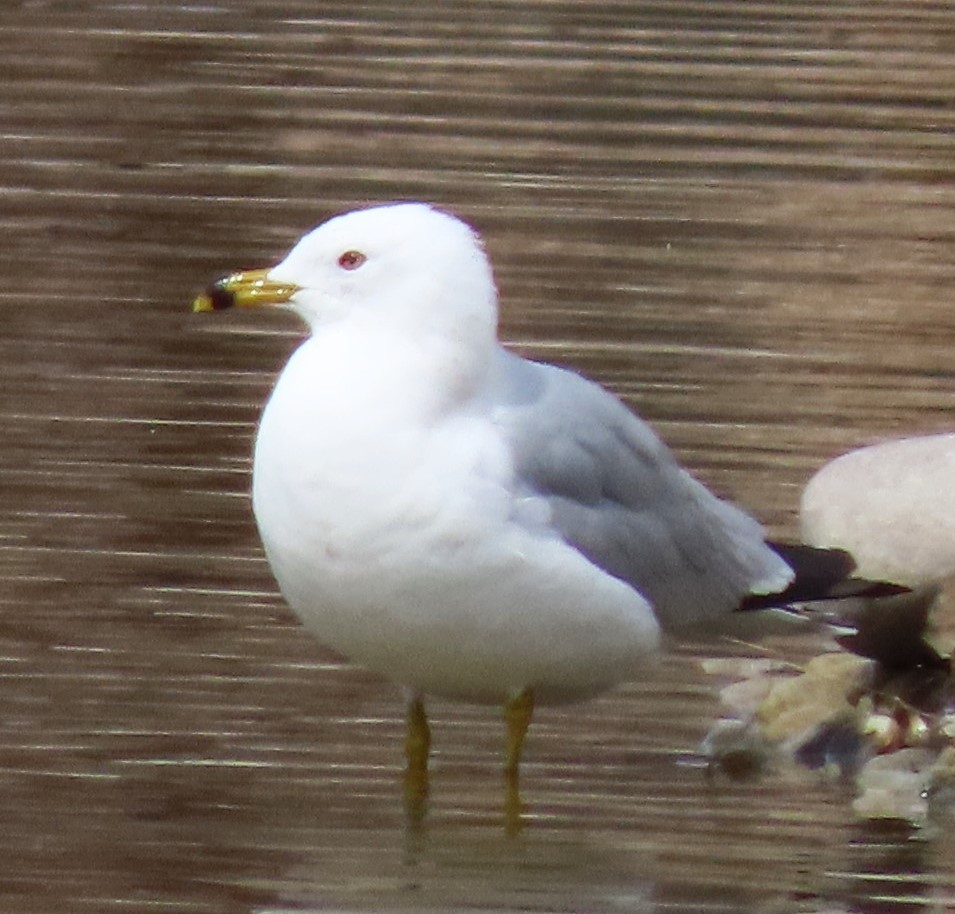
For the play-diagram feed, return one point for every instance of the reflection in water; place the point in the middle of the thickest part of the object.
(888, 871)
(474, 865)
(739, 217)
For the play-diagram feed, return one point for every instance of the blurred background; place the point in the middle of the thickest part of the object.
(739, 216)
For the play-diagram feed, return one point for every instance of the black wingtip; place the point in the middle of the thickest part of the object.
(887, 622)
(818, 572)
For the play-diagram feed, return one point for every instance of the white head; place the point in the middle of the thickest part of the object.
(406, 284)
(406, 266)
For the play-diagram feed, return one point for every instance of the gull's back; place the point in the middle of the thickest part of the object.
(616, 493)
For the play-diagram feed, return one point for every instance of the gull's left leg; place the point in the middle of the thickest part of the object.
(518, 712)
(417, 746)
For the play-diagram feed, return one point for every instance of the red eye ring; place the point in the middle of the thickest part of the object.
(351, 260)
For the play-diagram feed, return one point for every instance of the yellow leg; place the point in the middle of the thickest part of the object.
(517, 712)
(417, 746)
(418, 737)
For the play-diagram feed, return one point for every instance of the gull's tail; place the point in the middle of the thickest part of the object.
(820, 574)
(877, 619)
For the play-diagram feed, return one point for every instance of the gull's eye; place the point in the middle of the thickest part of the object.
(351, 260)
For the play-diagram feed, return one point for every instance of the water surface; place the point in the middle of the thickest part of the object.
(741, 217)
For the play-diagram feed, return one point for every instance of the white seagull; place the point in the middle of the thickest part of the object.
(463, 521)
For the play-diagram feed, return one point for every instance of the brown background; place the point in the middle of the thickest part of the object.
(739, 215)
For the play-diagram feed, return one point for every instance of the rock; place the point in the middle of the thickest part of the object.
(737, 748)
(896, 786)
(827, 691)
(892, 506)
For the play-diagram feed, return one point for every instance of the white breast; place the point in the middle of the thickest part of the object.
(398, 541)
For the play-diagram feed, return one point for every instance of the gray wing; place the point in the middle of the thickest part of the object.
(617, 494)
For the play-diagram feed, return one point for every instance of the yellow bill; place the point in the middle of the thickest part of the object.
(248, 289)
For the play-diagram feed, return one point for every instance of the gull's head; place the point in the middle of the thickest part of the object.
(407, 266)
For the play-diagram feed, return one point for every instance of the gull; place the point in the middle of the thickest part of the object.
(466, 522)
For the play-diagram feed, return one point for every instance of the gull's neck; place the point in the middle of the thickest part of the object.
(406, 376)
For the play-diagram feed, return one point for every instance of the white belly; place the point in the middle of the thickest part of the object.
(415, 560)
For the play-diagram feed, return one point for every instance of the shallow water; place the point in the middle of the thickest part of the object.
(741, 217)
